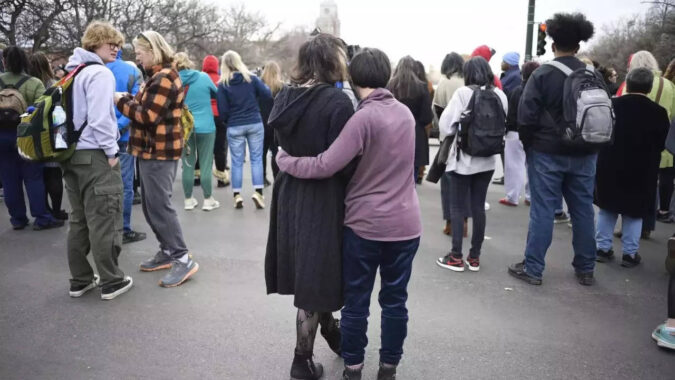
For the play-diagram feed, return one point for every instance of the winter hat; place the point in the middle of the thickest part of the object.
(512, 58)
(483, 51)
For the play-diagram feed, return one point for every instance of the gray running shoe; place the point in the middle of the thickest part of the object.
(179, 273)
(160, 261)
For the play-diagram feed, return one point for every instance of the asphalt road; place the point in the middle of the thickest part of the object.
(222, 325)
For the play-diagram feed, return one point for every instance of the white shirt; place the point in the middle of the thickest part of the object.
(466, 165)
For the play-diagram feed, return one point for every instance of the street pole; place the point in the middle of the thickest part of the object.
(530, 30)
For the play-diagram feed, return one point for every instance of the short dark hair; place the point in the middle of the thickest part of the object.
(528, 68)
(16, 60)
(568, 29)
(453, 64)
(477, 72)
(370, 68)
(640, 81)
(321, 59)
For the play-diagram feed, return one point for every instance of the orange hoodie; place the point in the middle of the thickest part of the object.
(210, 67)
(485, 52)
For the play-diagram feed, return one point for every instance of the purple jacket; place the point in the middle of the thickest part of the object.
(381, 202)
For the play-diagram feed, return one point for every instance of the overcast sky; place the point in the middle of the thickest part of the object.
(428, 29)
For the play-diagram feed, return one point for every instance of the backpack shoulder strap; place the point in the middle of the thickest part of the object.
(21, 81)
(660, 91)
(560, 66)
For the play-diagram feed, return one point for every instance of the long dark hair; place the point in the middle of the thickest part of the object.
(477, 72)
(405, 84)
(453, 64)
(40, 67)
(16, 60)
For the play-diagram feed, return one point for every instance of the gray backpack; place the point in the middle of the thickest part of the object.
(588, 114)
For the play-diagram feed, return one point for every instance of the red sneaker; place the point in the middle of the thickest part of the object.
(506, 202)
(473, 264)
(452, 262)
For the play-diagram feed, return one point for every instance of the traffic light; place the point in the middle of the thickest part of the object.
(541, 40)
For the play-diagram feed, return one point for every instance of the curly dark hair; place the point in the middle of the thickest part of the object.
(453, 63)
(321, 59)
(568, 29)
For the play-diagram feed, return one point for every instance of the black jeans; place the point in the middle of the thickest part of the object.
(220, 147)
(53, 178)
(269, 146)
(360, 260)
(474, 187)
(666, 177)
(671, 296)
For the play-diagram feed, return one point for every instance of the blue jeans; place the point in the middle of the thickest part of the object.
(237, 137)
(552, 177)
(631, 230)
(127, 166)
(14, 174)
(360, 259)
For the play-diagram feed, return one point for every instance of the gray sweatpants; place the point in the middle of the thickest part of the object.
(95, 194)
(156, 189)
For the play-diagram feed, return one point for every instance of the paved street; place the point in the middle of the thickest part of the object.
(222, 325)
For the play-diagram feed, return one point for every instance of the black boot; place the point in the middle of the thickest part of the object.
(332, 335)
(351, 374)
(386, 373)
(304, 368)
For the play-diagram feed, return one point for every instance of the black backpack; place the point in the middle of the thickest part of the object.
(482, 125)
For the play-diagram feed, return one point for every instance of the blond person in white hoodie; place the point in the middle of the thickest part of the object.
(469, 176)
(92, 174)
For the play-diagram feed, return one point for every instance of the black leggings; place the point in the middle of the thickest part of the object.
(469, 190)
(666, 177)
(220, 147)
(671, 297)
(53, 178)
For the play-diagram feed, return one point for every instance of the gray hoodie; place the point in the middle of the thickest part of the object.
(93, 92)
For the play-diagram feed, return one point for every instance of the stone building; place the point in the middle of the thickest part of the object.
(328, 21)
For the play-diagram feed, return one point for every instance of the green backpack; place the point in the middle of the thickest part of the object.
(36, 134)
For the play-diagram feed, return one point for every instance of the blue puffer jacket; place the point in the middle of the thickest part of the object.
(127, 79)
(511, 79)
(200, 90)
(238, 100)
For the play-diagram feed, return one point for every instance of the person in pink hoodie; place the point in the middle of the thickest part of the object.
(210, 67)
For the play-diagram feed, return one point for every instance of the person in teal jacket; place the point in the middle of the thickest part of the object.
(199, 91)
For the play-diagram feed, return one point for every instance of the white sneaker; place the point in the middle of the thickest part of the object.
(191, 203)
(238, 201)
(487, 206)
(259, 200)
(210, 204)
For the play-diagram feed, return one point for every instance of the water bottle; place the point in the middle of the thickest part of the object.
(59, 125)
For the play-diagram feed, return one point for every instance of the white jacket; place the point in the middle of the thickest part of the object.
(466, 165)
(93, 92)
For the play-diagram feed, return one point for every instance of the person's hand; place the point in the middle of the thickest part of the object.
(119, 95)
(113, 161)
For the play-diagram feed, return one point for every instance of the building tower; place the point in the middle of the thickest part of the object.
(328, 21)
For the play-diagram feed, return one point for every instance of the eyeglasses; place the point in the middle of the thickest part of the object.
(113, 46)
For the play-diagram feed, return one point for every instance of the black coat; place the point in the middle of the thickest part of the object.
(420, 106)
(304, 246)
(627, 170)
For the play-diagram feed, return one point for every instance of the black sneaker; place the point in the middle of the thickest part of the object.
(628, 261)
(664, 217)
(561, 217)
(159, 261)
(498, 181)
(585, 279)
(52, 224)
(18, 227)
(79, 289)
(386, 372)
(517, 270)
(112, 291)
(222, 184)
(304, 368)
(137, 198)
(333, 337)
(351, 374)
(132, 237)
(604, 257)
(60, 215)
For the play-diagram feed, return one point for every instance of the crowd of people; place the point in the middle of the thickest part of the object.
(341, 134)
